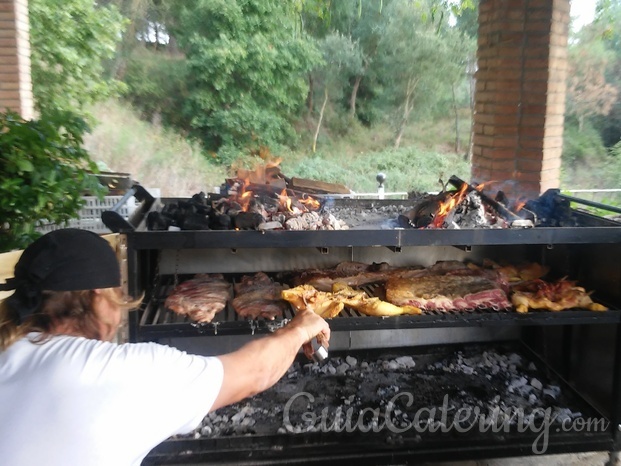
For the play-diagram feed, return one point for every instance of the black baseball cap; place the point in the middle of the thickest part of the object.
(68, 259)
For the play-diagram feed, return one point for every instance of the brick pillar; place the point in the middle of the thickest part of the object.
(520, 94)
(15, 80)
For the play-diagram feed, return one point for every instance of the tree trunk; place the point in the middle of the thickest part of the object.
(156, 27)
(323, 107)
(456, 120)
(352, 99)
(407, 109)
(309, 97)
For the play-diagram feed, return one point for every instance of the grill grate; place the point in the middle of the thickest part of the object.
(156, 321)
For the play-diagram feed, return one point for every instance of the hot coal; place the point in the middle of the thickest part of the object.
(266, 210)
(247, 220)
(478, 377)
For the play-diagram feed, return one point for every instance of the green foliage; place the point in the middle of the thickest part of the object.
(69, 41)
(156, 156)
(157, 86)
(42, 174)
(420, 60)
(354, 158)
(580, 147)
(248, 70)
(596, 49)
(406, 169)
(229, 154)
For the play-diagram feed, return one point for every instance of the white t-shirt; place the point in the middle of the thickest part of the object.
(74, 401)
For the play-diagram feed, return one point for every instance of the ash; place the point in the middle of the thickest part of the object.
(472, 379)
(470, 213)
(383, 217)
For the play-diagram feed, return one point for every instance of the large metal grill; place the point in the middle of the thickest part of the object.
(581, 349)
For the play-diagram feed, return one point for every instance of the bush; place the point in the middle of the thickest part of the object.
(406, 169)
(580, 146)
(43, 174)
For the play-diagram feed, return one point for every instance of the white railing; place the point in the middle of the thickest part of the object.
(376, 195)
(603, 196)
(588, 194)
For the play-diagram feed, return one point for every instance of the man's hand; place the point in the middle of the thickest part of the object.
(310, 326)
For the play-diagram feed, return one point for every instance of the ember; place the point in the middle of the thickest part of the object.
(246, 206)
(391, 392)
(467, 207)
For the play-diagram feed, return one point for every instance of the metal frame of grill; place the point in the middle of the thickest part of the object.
(590, 253)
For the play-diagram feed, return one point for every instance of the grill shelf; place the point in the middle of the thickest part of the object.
(158, 322)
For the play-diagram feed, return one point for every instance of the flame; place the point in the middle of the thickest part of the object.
(486, 184)
(261, 174)
(519, 204)
(273, 163)
(310, 202)
(285, 201)
(447, 206)
(244, 199)
(269, 175)
(305, 204)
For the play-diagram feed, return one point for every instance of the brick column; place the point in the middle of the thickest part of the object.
(520, 94)
(15, 80)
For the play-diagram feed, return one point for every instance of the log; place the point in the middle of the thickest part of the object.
(317, 187)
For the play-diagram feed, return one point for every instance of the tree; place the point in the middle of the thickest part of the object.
(363, 22)
(607, 27)
(421, 59)
(588, 92)
(342, 58)
(247, 68)
(70, 39)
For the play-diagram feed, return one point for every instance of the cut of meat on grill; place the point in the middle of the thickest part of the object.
(357, 274)
(330, 304)
(200, 298)
(518, 273)
(353, 274)
(554, 296)
(320, 302)
(447, 293)
(259, 296)
(358, 300)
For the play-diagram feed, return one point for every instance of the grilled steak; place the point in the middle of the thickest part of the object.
(258, 296)
(200, 298)
(447, 292)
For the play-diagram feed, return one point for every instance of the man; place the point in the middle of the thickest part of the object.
(70, 397)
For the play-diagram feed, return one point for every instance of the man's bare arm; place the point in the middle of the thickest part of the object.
(258, 365)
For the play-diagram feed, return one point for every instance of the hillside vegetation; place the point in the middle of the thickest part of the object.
(160, 158)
